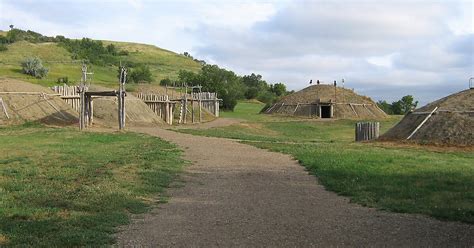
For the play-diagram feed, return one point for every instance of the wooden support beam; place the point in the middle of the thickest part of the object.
(4, 109)
(294, 111)
(27, 93)
(422, 123)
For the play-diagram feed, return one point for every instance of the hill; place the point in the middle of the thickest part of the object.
(162, 63)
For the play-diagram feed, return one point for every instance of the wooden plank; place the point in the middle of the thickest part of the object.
(353, 109)
(27, 93)
(4, 109)
(294, 111)
(422, 123)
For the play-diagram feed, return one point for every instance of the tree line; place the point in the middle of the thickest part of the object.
(229, 86)
(400, 107)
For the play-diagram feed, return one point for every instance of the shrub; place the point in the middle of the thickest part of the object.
(266, 97)
(62, 80)
(141, 74)
(34, 67)
(3, 47)
(165, 82)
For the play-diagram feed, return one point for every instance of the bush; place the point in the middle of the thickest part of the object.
(3, 47)
(141, 74)
(62, 80)
(93, 51)
(34, 67)
(165, 82)
(266, 97)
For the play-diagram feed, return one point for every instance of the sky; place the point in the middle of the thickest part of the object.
(384, 49)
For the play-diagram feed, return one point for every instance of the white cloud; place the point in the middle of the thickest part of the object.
(378, 46)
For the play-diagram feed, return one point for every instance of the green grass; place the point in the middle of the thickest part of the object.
(58, 60)
(62, 187)
(400, 179)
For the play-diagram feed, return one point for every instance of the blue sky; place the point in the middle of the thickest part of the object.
(383, 49)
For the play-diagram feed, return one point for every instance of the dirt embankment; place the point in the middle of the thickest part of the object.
(28, 103)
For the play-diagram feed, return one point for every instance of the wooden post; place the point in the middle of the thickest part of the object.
(91, 111)
(121, 98)
(192, 108)
(171, 110)
(200, 105)
(185, 110)
(82, 109)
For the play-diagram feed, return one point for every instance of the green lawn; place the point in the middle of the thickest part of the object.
(62, 187)
(410, 179)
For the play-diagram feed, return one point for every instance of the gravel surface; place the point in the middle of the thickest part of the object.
(239, 195)
(219, 122)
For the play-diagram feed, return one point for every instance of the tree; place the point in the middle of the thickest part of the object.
(165, 82)
(400, 107)
(279, 89)
(407, 103)
(251, 93)
(385, 106)
(141, 74)
(34, 67)
(187, 77)
(111, 49)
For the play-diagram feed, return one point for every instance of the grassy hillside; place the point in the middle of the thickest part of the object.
(162, 63)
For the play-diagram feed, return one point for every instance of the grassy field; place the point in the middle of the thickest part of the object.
(58, 60)
(62, 187)
(400, 179)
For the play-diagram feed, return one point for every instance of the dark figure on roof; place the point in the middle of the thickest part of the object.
(317, 82)
(311, 81)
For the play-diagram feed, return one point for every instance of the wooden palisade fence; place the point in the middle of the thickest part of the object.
(208, 101)
(164, 106)
(367, 131)
(160, 104)
(70, 94)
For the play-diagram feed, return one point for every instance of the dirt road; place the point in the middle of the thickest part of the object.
(238, 195)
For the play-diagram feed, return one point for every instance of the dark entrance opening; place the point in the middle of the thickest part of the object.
(325, 111)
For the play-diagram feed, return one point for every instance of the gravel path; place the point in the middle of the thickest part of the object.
(219, 122)
(239, 195)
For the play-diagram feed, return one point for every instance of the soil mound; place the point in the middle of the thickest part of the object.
(339, 102)
(137, 112)
(34, 103)
(451, 124)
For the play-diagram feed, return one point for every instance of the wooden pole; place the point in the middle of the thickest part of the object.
(200, 105)
(185, 104)
(422, 123)
(4, 109)
(121, 98)
(192, 109)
